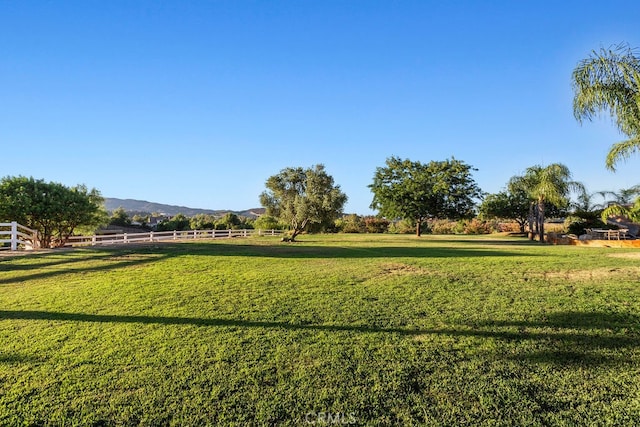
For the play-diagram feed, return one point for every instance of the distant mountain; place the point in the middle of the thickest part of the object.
(143, 206)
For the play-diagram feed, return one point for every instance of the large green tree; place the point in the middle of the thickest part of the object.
(52, 209)
(416, 191)
(609, 80)
(507, 205)
(544, 185)
(301, 197)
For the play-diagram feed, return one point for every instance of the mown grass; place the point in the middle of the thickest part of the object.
(373, 330)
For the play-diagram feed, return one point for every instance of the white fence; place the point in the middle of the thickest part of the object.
(159, 236)
(23, 238)
(19, 236)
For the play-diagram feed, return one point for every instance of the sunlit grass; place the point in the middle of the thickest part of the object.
(380, 329)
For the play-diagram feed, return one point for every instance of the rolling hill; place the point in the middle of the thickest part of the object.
(142, 206)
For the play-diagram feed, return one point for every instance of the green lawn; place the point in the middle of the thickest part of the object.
(370, 329)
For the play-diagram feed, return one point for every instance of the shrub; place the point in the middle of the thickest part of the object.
(403, 226)
(443, 226)
(475, 226)
(374, 224)
(350, 224)
(578, 226)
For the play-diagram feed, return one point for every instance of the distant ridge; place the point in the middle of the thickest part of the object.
(142, 206)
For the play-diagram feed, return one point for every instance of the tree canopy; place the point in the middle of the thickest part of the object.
(609, 80)
(415, 191)
(50, 208)
(300, 197)
(545, 184)
(511, 205)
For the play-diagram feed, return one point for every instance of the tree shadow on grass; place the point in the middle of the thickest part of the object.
(563, 345)
(78, 264)
(307, 251)
(12, 358)
(105, 259)
(586, 338)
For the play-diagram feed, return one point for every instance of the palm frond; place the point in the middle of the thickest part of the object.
(622, 151)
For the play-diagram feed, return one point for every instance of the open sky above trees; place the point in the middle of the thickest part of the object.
(198, 103)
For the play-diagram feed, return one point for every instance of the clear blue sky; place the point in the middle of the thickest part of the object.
(197, 103)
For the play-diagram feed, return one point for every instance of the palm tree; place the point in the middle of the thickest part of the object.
(624, 196)
(550, 184)
(610, 80)
(630, 212)
(622, 205)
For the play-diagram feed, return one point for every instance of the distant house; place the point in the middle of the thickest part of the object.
(154, 221)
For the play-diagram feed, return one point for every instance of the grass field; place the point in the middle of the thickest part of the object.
(351, 329)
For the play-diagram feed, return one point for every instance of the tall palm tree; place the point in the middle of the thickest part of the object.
(549, 184)
(610, 80)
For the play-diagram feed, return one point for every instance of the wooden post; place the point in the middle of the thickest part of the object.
(14, 236)
(151, 236)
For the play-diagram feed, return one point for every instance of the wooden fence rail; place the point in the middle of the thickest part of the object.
(21, 237)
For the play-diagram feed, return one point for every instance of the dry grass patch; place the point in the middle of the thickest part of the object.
(399, 269)
(591, 274)
(629, 255)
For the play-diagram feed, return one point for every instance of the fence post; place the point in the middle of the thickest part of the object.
(175, 235)
(125, 237)
(14, 236)
(151, 236)
(93, 240)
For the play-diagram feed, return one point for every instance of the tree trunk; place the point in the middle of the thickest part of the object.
(531, 221)
(418, 224)
(294, 235)
(541, 219)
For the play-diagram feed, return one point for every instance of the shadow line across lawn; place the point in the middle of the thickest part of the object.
(563, 343)
(106, 259)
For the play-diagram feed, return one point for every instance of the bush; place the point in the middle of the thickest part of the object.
(578, 226)
(267, 222)
(475, 226)
(374, 224)
(403, 226)
(443, 226)
(350, 224)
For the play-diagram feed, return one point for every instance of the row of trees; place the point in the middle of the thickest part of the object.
(606, 81)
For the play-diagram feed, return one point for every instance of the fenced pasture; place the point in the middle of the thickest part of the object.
(363, 329)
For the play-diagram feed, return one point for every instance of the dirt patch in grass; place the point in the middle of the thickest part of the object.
(403, 269)
(593, 274)
(631, 255)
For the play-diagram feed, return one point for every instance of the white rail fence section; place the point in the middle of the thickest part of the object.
(19, 236)
(22, 237)
(159, 236)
